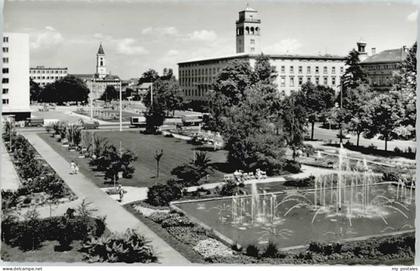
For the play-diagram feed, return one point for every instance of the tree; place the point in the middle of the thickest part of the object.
(166, 94)
(110, 94)
(67, 89)
(35, 90)
(356, 110)
(148, 76)
(316, 100)
(386, 116)
(168, 74)
(294, 119)
(158, 155)
(155, 117)
(354, 74)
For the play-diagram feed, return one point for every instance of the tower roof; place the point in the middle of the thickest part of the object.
(101, 50)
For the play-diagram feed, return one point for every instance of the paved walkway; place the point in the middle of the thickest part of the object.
(118, 219)
(8, 175)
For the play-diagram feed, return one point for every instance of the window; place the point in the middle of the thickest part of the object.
(308, 69)
(292, 69)
(325, 70)
(5, 39)
(292, 81)
(308, 79)
(341, 69)
(300, 80)
(5, 80)
(252, 41)
(5, 101)
(333, 81)
(5, 49)
(283, 69)
(333, 70)
(317, 80)
(5, 91)
(5, 70)
(300, 69)
(316, 69)
(283, 81)
(325, 80)
(252, 49)
(5, 60)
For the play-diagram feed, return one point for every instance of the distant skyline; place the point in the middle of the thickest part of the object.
(138, 35)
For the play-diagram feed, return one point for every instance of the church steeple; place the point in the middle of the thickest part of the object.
(100, 62)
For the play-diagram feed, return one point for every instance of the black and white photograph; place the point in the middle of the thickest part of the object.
(201, 132)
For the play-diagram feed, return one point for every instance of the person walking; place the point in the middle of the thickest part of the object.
(72, 167)
(121, 192)
(76, 168)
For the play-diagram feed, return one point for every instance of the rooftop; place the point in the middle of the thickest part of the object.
(392, 55)
(101, 50)
(272, 56)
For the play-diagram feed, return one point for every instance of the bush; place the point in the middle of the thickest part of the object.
(129, 248)
(162, 194)
(305, 182)
(292, 166)
(390, 177)
(271, 251)
(252, 251)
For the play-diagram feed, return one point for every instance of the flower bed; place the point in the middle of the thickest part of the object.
(212, 248)
(39, 182)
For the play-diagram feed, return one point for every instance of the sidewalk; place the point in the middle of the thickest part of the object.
(118, 219)
(9, 177)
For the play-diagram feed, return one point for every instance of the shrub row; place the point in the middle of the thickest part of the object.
(36, 175)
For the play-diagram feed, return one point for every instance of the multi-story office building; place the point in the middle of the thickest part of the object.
(196, 77)
(382, 67)
(15, 75)
(45, 75)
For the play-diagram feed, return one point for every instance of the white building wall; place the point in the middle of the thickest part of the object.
(15, 94)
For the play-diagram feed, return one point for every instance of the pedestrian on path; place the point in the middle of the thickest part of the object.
(72, 167)
(121, 192)
(76, 168)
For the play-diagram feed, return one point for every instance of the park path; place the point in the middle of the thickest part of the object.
(8, 175)
(118, 219)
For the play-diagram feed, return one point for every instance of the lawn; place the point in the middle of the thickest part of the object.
(175, 153)
(46, 253)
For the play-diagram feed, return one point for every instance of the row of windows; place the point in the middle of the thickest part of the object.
(189, 82)
(46, 77)
(198, 72)
(383, 67)
(334, 81)
(48, 71)
(309, 69)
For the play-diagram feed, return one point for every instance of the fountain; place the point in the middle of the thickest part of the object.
(345, 204)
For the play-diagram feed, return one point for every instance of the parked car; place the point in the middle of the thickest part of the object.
(138, 121)
(90, 125)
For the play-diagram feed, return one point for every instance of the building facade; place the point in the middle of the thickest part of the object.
(382, 67)
(100, 80)
(46, 75)
(15, 76)
(197, 77)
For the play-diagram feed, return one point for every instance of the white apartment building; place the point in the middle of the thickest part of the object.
(15, 75)
(46, 75)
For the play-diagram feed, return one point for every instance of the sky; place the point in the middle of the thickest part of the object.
(142, 34)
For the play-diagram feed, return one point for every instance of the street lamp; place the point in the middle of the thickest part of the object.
(341, 108)
(120, 108)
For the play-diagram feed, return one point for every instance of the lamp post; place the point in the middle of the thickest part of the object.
(120, 108)
(341, 109)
